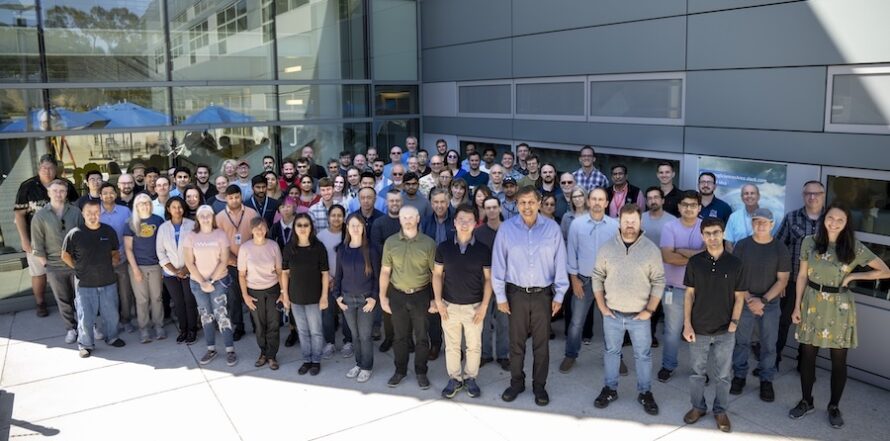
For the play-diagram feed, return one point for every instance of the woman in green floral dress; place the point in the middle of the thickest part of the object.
(825, 310)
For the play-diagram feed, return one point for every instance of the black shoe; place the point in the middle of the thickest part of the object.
(434, 353)
(512, 392)
(395, 379)
(654, 342)
(648, 402)
(181, 338)
(376, 335)
(541, 397)
(118, 343)
(485, 360)
(664, 375)
(757, 371)
(423, 381)
(605, 397)
(315, 369)
(803, 408)
(238, 334)
(191, 337)
(834, 417)
(766, 391)
(505, 363)
(386, 345)
(291, 339)
(738, 385)
(304, 368)
(452, 388)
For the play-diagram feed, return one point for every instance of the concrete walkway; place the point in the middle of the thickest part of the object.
(158, 391)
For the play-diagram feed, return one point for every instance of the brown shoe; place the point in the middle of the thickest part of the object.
(693, 416)
(723, 422)
(260, 361)
(566, 365)
(42, 311)
(273, 364)
(434, 353)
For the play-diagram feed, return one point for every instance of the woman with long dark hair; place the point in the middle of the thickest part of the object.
(273, 190)
(193, 200)
(305, 279)
(479, 196)
(355, 289)
(171, 256)
(825, 308)
(452, 162)
(259, 273)
(308, 197)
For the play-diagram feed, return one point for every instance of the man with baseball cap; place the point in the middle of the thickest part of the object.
(508, 198)
(243, 181)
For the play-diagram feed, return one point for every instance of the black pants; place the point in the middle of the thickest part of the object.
(184, 305)
(235, 303)
(387, 326)
(787, 306)
(529, 314)
(410, 311)
(265, 319)
(434, 323)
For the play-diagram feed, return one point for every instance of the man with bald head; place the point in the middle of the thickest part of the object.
(405, 292)
(126, 185)
(739, 226)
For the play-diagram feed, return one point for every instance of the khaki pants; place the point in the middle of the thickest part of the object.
(149, 302)
(460, 324)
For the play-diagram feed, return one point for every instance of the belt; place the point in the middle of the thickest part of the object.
(826, 289)
(528, 289)
(410, 291)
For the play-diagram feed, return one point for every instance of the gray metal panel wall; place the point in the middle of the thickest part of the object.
(781, 99)
(474, 61)
(534, 16)
(696, 6)
(448, 22)
(481, 127)
(645, 137)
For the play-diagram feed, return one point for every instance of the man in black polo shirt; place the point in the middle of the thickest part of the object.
(715, 294)
(92, 250)
(462, 286)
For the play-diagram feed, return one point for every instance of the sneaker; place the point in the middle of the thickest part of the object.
(181, 338)
(586, 341)
(395, 379)
(237, 334)
(766, 391)
(803, 408)
(363, 376)
(129, 328)
(97, 334)
(118, 343)
(231, 358)
(315, 369)
(347, 350)
(472, 388)
(452, 388)
(85, 353)
(648, 402)
(605, 397)
(566, 365)
(834, 417)
(664, 375)
(144, 336)
(42, 310)
(208, 357)
(328, 352)
(71, 336)
(738, 385)
(304, 368)
(622, 369)
(423, 381)
(353, 372)
(160, 333)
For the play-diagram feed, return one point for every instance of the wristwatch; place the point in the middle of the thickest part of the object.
(650, 311)
(734, 321)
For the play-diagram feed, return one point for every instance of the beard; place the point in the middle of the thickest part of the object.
(378, 173)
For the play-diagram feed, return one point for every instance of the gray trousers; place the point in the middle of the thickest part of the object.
(149, 303)
(124, 292)
(63, 284)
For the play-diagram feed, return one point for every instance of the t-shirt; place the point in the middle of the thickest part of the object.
(464, 280)
(675, 235)
(208, 249)
(652, 227)
(91, 250)
(330, 241)
(474, 182)
(762, 262)
(260, 262)
(715, 283)
(305, 265)
(86, 198)
(486, 235)
(717, 208)
(33, 195)
(145, 240)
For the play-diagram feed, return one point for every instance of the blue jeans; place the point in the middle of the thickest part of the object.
(308, 321)
(673, 301)
(640, 336)
(768, 326)
(499, 323)
(716, 350)
(213, 306)
(580, 307)
(361, 323)
(89, 303)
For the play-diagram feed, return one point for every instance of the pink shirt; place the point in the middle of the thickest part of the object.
(209, 250)
(260, 263)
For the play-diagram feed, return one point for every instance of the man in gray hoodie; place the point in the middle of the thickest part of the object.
(628, 281)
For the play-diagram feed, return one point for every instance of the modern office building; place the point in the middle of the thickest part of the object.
(765, 91)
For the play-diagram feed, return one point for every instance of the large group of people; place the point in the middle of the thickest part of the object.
(427, 252)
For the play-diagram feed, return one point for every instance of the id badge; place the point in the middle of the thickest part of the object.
(668, 297)
(237, 238)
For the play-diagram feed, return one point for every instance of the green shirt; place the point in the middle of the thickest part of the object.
(411, 260)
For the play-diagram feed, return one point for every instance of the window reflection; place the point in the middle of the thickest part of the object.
(115, 108)
(323, 101)
(321, 40)
(867, 199)
(395, 100)
(223, 105)
(393, 132)
(19, 60)
(874, 288)
(327, 140)
(212, 147)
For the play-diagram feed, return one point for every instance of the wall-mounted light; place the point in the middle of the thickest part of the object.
(293, 69)
(294, 102)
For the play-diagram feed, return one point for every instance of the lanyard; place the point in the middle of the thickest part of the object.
(265, 204)
(289, 235)
(238, 225)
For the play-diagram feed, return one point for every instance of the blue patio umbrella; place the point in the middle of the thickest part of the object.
(62, 118)
(214, 114)
(130, 115)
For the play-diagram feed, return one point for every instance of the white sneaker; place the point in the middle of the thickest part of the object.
(353, 372)
(363, 376)
(97, 334)
(347, 350)
(71, 336)
(328, 352)
(160, 333)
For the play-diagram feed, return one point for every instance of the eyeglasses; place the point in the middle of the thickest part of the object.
(397, 174)
(685, 205)
(301, 225)
(566, 182)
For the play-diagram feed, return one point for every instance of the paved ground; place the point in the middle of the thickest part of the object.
(158, 391)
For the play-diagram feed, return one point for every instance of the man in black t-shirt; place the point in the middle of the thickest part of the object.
(715, 294)
(462, 287)
(32, 196)
(92, 250)
(495, 320)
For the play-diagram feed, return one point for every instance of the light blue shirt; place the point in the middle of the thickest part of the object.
(117, 219)
(379, 204)
(739, 226)
(585, 238)
(529, 257)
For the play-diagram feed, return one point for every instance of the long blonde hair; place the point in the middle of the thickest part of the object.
(135, 219)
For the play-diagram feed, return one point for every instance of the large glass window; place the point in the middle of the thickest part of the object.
(223, 105)
(327, 140)
(858, 99)
(392, 132)
(102, 40)
(115, 108)
(322, 101)
(640, 170)
(641, 98)
(395, 100)
(19, 54)
(322, 39)
(394, 39)
(21, 111)
(212, 147)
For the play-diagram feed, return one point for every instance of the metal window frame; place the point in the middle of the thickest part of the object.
(505, 82)
(639, 77)
(553, 80)
(829, 95)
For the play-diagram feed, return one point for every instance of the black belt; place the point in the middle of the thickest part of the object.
(826, 289)
(410, 291)
(528, 289)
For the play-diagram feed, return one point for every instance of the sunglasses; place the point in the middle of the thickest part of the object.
(566, 182)
(398, 174)
(301, 225)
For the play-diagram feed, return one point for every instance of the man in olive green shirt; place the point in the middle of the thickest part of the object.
(405, 274)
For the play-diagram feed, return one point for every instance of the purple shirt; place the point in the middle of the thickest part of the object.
(675, 236)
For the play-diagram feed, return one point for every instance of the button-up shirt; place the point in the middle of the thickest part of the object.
(739, 226)
(529, 257)
(591, 180)
(795, 226)
(586, 236)
(117, 218)
(411, 260)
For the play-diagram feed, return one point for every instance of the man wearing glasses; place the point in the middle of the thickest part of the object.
(93, 180)
(395, 157)
(588, 177)
(711, 205)
(428, 182)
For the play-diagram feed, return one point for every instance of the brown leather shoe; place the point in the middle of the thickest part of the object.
(693, 416)
(260, 361)
(723, 422)
(566, 365)
(273, 364)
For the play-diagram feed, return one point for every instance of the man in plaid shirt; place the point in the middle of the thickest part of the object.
(588, 177)
(796, 225)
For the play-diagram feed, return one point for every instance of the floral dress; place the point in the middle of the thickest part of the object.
(828, 320)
